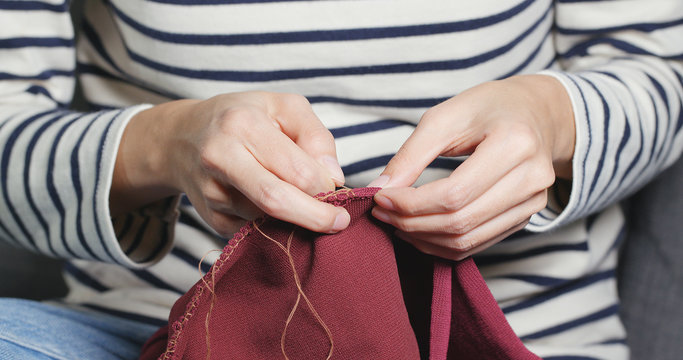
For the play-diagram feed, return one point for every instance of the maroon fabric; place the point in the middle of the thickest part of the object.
(351, 279)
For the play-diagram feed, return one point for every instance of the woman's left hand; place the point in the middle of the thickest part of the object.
(519, 133)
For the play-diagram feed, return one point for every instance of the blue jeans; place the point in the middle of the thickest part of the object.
(34, 330)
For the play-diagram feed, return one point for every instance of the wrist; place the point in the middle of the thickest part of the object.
(555, 115)
(144, 170)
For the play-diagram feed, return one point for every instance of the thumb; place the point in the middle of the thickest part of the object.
(421, 148)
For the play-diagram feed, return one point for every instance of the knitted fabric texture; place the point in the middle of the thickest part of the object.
(240, 309)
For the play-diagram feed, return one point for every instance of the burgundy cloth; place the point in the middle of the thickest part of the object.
(352, 280)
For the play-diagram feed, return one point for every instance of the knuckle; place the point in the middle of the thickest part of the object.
(209, 158)
(460, 223)
(305, 177)
(525, 142)
(462, 244)
(293, 101)
(319, 136)
(540, 202)
(454, 198)
(404, 225)
(271, 199)
(432, 114)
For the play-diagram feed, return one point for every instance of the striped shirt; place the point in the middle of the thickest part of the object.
(370, 68)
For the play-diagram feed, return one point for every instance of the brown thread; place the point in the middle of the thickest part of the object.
(213, 300)
(179, 325)
(300, 294)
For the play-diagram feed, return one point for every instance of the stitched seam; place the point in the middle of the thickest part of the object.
(338, 198)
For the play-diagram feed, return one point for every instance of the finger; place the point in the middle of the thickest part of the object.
(476, 175)
(517, 187)
(452, 254)
(225, 225)
(226, 200)
(280, 155)
(283, 200)
(297, 120)
(418, 151)
(489, 230)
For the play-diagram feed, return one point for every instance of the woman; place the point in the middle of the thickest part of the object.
(593, 113)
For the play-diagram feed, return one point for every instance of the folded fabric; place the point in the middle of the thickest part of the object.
(280, 291)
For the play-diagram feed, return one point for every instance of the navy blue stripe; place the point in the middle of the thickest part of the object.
(638, 155)
(163, 241)
(125, 227)
(487, 260)
(98, 166)
(43, 75)
(643, 27)
(92, 70)
(33, 5)
(383, 160)
(679, 125)
(581, 49)
(542, 216)
(191, 260)
(582, 194)
(263, 76)
(625, 136)
(100, 107)
(93, 38)
(126, 315)
(323, 35)
(4, 168)
(519, 235)
(23, 42)
(532, 56)
(379, 125)
(218, 2)
(4, 228)
(559, 291)
(546, 281)
(653, 148)
(367, 164)
(394, 103)
(664, 97)
(84, 278)
(28, 160)
(606, 119)
(78, 190)
(636, 158)
(620, 341)
(39, 90)
(599, 315)
(150, 278)
(139, 236)
(52, 189)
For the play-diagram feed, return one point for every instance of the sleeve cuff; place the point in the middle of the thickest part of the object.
(140, 238)
(567, 200)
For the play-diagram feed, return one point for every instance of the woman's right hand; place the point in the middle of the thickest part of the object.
(235, 156)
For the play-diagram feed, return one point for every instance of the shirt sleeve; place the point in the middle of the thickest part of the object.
(621, 62)
(56, 165)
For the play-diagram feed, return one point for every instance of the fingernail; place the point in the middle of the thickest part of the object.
(380, 214)
(341, 222)
(335, 170)
(380, 181)
(384, 202)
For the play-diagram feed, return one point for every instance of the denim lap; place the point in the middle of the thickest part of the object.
(35, 330)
